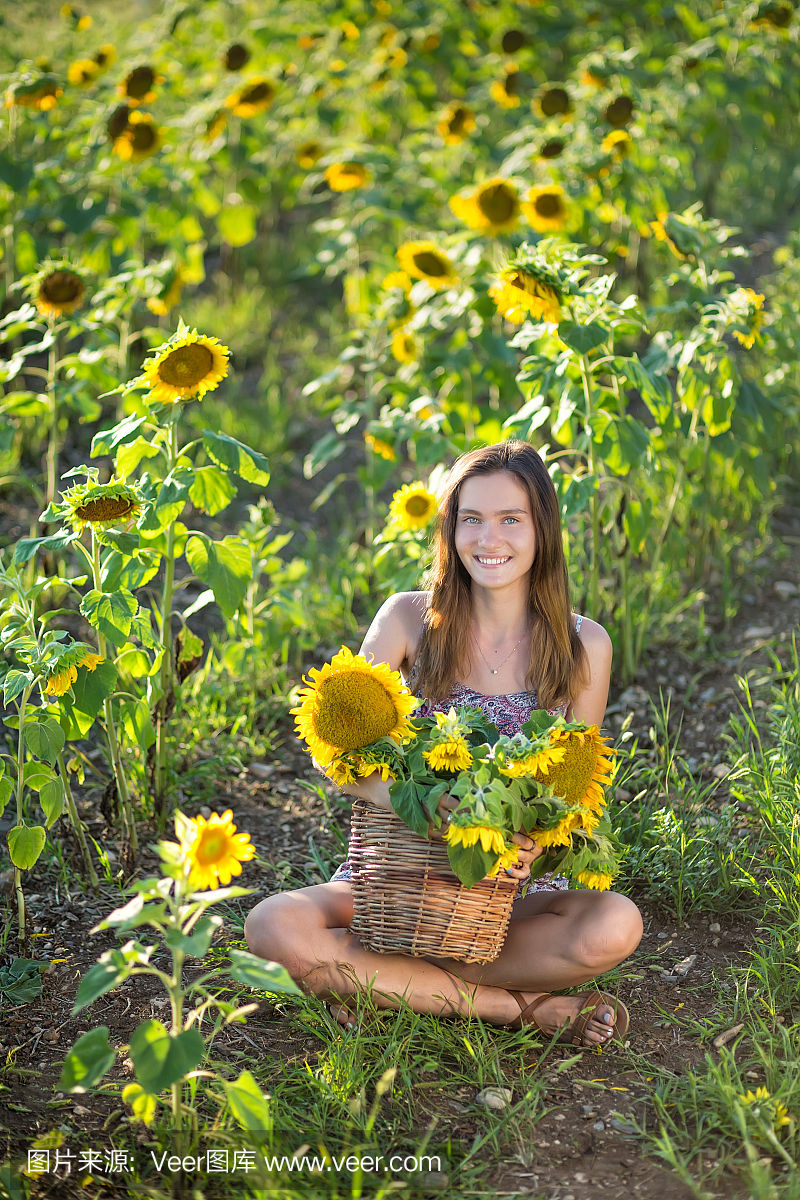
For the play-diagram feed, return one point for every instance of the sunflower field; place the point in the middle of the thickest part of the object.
(267, 268)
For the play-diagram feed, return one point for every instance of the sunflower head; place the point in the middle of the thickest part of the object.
(105, 57)
(63, 670)
(552, 148)
(137, 86)
(546, 208)
(456, 123)
(83, 72)
(405, 348)
(215, 124)
(101, 505)
(346, 176)
(309, 153)
(412, 506)
(582, 773)
(529, 291)
(423, 260)
(213, 850)
(598, 881)
(492, 207)
(235, 57)
(185, 368)
(380, 447)
(349, 704)
(491, 840)
(615, 142)
(57, 289)
(74, 17)
(255, 97)
(508, 90)
(745, 305)
(554, 102)
(512, 41)
(117, 123)
(777, 13)
(41, 93)
(619, 112)
(139, 139)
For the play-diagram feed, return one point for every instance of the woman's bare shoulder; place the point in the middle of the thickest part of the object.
(395, 633)
(594, 638)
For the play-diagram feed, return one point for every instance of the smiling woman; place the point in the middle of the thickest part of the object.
(495, 631)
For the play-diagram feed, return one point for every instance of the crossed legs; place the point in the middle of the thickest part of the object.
(555, 940)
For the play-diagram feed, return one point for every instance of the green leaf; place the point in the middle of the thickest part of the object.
(408, 802)
(250, 1107)
(14, 683)
(87, 1061)
(25, 844)
(161, 1059)
(471, 863)
(109, 439)
(101, 978)
(582, 338)
(130, 455)
(90, 690)
(143, 630)
(236, 457)
(224, 566)
(21, 980)
(173, 494)
(111, 613)
(134, 662)
(237, 224)
(45, 739)
(26, 548)
(6, 792)
(36, 775)
(211, 491)
(138, 725)
(125, 543)
(51, 798)
(142, 1103)
(261, 974)
(198, 941)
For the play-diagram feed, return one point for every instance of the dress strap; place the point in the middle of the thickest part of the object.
(578, 623)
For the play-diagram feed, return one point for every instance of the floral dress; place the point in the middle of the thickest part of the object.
(509, 713)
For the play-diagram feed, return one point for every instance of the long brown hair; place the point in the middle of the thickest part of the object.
(558, 665)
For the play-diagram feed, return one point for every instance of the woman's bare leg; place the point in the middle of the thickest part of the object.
(555, 940)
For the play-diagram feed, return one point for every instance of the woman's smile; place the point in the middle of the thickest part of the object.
(495, 534)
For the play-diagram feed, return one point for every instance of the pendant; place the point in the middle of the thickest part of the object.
(494, 672)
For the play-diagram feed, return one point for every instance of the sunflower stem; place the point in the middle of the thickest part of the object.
(77, 824)
(120, 778)
(594, 578)
(160, 781)
(20, 895)
(52, 445)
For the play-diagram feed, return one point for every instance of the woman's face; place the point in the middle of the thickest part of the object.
(495, 536)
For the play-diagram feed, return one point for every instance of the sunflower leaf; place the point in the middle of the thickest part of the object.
(45, 739)
(234, 456)
(211, 490)
(224, 566)
(470, 863)
(111, 613)
(108, 439)
(25, 844)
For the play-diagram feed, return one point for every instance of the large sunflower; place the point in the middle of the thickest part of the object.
(521, 292)
(346, 176)
(583, 772)
(64, 671)
(493, 207)
(413, 506)
(137, 86)
(546, 208)
(83, 72)
(41, 93)
(554, 102)
(58, 291)
(214, 850)
(507, 91)
(422, 260)
(101, 505)
(139, 139)
(255, 97)
(186, 367)
(456, 123)
(350, 703)
(235, 57)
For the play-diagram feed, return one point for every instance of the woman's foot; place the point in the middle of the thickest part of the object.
(344, 1015)
(561, 1012)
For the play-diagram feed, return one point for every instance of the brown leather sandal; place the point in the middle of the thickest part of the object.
(573, 1035)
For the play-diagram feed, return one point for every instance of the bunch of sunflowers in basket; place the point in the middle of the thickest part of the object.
(547, 781)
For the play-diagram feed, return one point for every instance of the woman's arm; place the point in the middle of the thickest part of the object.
(393, 638)
(590, 703)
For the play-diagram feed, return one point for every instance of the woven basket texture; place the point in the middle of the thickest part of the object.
(407, 899)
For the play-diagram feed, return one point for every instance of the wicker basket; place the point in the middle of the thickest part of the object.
(407, 899)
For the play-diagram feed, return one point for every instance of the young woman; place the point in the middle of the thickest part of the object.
(495, 630)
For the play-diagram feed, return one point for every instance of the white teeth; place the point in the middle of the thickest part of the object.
(491, 562)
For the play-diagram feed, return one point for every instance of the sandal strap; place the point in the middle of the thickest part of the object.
(588, 1010)
(526, 1009)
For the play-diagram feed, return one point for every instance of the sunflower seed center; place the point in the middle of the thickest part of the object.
(430, 264)
(106, 508)
(186, 366)
(497, 204)
(62, 287)
(548, 205)
(352, 710)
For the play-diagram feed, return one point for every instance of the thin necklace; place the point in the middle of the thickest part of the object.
(494, 670)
